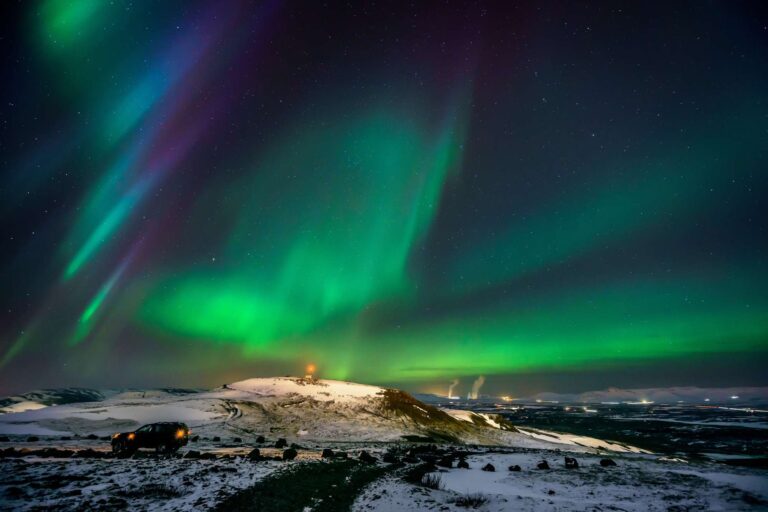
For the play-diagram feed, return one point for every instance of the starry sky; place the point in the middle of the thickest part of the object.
(559, 196)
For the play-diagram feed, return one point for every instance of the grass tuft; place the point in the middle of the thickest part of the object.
(474, 500)
(432, 481)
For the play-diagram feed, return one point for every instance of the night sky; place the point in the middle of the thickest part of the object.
(557, 196)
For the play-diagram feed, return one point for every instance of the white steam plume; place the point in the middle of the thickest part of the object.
(453, 385)
(476, 387)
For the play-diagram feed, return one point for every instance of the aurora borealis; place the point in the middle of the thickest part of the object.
(552, 195)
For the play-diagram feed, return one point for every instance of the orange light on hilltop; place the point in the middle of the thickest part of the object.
(311, 368)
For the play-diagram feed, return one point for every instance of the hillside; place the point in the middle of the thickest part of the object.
(295, 408)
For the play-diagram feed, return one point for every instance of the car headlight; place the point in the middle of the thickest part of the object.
(131, 436)
(179, 434)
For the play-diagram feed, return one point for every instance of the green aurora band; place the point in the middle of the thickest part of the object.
(208, 208)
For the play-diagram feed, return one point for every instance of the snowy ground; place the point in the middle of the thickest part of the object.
(636, 484)
(342, 416)
(143, 484)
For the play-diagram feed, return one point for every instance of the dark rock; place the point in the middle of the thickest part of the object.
(195, 439)
(390, 458)
(515, 468)
(327, 453)
(488, 467)
(73, 492)
(207, 456)
(290, 454)
(117, 503)
(254, 455)
(192, 454)
(260, 439)
(607, 462)
(5, 439)
(571, 463)
(543, 465)
(551, 492)
(462, 464)
(88, 453)
(281, 443)
(56, 453)
(409, 459)
(9, 452)
(341, 455)
(367, 457)
(92, 437)
(237, 440)
(33, 439)
(296, 446)
(65, 438)
(445, 462)
(216, 439)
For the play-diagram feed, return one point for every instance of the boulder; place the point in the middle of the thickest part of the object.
(88, 453)
(488, 467)
(290, 454)
(390, 458)
(9, 452)
(92, 437)
(195, 439)
(237, 440)
(409, 459)
(56, 453)
(543, 465)
(327, 453)
(462, 464)
(5, 439)
(33, 439)
(260, 439)
(367, 457)
(192, 454)
(571, 463)
(607, 463)
(216, 439)
(296, 446)
(281, 443)
(341, 455)
(515, 468)
(207, 456)
(445, 462)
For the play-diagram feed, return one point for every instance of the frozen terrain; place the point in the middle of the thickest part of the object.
(54, 454)
(297, 409)
(635, 484)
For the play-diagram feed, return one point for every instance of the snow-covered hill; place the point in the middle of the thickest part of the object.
(295, 408)
(46, 397)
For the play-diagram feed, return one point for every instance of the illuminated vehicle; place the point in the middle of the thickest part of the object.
(166, 437)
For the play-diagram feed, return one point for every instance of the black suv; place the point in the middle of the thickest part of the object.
(165, 437)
